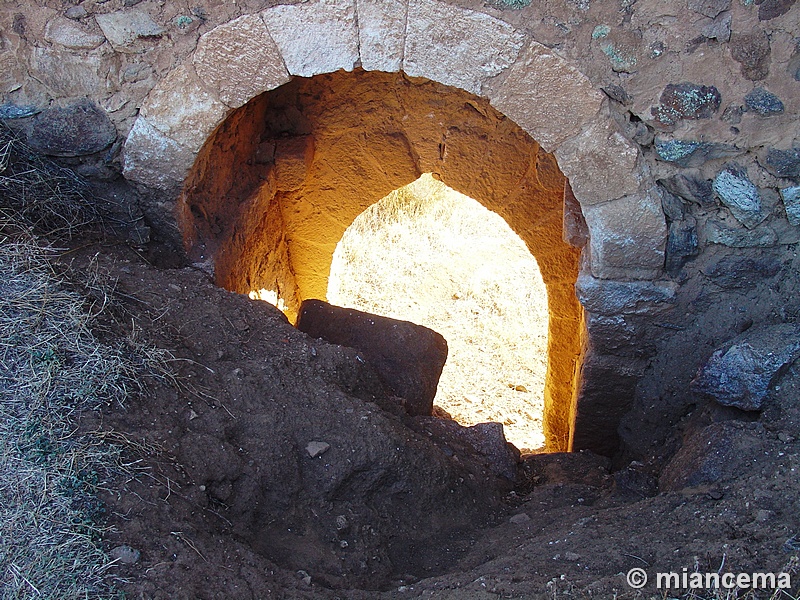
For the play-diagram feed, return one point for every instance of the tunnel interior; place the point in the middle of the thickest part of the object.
(280, 180)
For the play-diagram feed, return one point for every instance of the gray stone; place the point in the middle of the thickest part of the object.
(741, 372)
(720, 233)
(456, 46)
(742, 273)
(686, 101)
(76, 13)
(764, 102)
(783, 163)
(752, 52)
(316, 449)
(154, 159)
(315, 37)
(240, 60)
(124, 555)
(690, 187)
(791, 202)
(76, 130)
(69, 34)
(519, 519)
(12, 111)
(740, 195)
(608, 297)
(709, 8)
(719, 28)
(681, 244)
(671, 204)
(770, 9)
(706, 457)
(124, 28)
(690, 154)
(381, 34)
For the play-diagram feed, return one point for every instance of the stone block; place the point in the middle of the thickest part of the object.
(182, 109)
(740, 195)
(627, 237)
(382, 34)
(239, 60)
(153, 159)
(743, 273)
(609, 298)
(783, 163)
(600, 163)
(691, 187)
(575, 231)
(717, 232)
(682, 244)
(315, 37)
(689, 153)
(69, 34)
(763, 102)
(456, 46)
(709, 8)
(686, 101)
(546, 96)
(791, 202)
(126, 27)
(76, 130)
(407, 357)
(741, 372)
(752, 52)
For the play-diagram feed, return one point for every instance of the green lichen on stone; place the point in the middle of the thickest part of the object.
(183, 21)
(675, 150)
(619, 61)
(510, 4)
(600, 31)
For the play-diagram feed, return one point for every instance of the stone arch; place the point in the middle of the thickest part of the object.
(530, 84)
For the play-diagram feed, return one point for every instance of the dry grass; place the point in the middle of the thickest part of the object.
(435, 257)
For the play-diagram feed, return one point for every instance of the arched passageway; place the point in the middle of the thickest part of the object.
(277, 184)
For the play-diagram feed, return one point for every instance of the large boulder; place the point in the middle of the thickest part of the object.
(407, 357)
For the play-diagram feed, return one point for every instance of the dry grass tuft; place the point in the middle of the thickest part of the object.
(430, 255)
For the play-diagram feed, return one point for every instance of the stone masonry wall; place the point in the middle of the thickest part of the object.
(676, 124)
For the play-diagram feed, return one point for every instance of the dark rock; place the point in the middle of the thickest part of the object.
(733, 114)
(671, 204)
(609, 297)
(486, 439)
(124, 555)
(635, 483)
(691, 188)
(740, 195)
(709, 8)
(407, 357)
(718, 232)
(791, 202)
(76, 130)
(763, 102)
(706, 457)
(681, 244)
(770, 9)
(686, 101)
(751, 51)
(690, 154)
(12, 111)
(76, 13)
(559, 468)
(618, 93)
(509, 4)
(794, 63)
(719, 28)
(741, 372)
(742, 273)
(783, 163)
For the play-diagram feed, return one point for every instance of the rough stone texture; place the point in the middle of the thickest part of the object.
(576, 233)
(407, 357)
(791, 202)
(627, 237)
(239, 60)
(69, 34)
(783, 163)
(690, 188)
(691, 154)
(70, 75)
(764, 102)
(709, 8)
(381, 34)
(772, 9)
(703, 459)
(752, 52)
(546, 96)
(741, 372)
(606, 297)
(182, 109)
(315, 37)
(125, 28)
(600, 163)
(153, 159)
(686, 101)
(717, 232)
(682, 244)
(737, 192)
(742, 273)
(457, 47)
(76, 130)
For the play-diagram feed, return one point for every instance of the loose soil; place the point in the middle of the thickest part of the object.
(227, 501)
